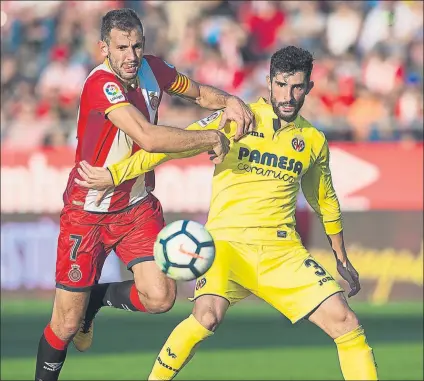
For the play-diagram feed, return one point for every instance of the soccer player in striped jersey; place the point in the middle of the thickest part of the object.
(252, 221)
(117, 117)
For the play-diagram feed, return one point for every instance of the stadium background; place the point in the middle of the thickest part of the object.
(367, 99)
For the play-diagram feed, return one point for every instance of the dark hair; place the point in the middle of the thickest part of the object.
(123, 19)
(290, 60)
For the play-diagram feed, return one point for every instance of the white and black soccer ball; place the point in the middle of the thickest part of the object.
(184, 250)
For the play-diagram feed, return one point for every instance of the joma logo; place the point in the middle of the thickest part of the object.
(256, 134)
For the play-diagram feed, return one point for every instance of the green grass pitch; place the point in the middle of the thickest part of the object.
(255, 342)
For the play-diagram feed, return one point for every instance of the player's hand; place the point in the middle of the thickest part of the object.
(350, 275)
(220, 149)
(240, 113)
(97, 178)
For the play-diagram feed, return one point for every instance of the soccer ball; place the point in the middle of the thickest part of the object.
(184, 250)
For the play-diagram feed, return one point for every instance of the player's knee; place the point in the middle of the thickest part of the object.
(158, 301)
(209, 316)
(66, 326)
(68, 312)
(343, 322)
(210, 319)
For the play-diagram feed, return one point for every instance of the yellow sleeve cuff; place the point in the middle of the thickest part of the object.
(114, 107)
(333, 227)
(114, 174)
(135, 165)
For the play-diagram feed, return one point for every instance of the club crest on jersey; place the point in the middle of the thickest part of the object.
(113, 92)
(75, 274)
(154, 100)
(298, 144)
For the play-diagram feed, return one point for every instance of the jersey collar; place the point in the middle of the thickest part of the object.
(297, 123)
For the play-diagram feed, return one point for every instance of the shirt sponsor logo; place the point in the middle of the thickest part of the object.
(271, 160)
(113, 92)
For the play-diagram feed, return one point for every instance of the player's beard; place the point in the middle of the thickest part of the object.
(126, 77)
(286, 116)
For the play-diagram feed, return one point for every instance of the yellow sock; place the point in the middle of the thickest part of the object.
(178, 349)
(356, 356)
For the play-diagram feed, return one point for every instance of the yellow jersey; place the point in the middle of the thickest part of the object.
(255, 188)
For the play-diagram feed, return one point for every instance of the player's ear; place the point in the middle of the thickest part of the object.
(310, 86)
(104, 48)
(268, 81)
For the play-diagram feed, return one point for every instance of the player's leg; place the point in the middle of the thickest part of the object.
(136, 231)
(68, 311)
(299, 287)
(336, 319)
(79, 260)
(178, 350)
(214, 292)
(132, 234)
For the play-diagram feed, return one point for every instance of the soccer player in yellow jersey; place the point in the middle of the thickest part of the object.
(252, 221)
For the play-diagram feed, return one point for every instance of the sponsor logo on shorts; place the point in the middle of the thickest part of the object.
(75, 274)
(298, 144)
(200, 283)
(113, 92)
(281, 234)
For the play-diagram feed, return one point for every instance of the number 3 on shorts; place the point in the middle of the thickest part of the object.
(316, 266)
(77, 243)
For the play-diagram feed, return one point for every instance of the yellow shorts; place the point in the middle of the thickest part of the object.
(286, 277)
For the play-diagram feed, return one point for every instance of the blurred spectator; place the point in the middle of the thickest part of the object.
(60, 68)
(368, 69)
(382, 73)
(342, 28)
(263, 20)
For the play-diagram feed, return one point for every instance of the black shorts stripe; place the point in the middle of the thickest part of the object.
(73, 289)
(139, 260)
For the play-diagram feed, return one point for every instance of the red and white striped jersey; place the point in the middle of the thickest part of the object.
(101, 143)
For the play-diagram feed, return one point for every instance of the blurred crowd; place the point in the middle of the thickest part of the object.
(368, 71)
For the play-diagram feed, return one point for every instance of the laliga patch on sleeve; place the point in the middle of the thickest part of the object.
(209, 119)
(113, 92)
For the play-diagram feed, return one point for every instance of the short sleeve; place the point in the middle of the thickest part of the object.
(165, 73)
(106, 93)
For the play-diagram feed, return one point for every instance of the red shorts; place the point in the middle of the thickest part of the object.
(86, 238)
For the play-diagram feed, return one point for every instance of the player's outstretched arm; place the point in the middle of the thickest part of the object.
(318, 189)
(154, 138)
(212, 98)
(100, 178)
